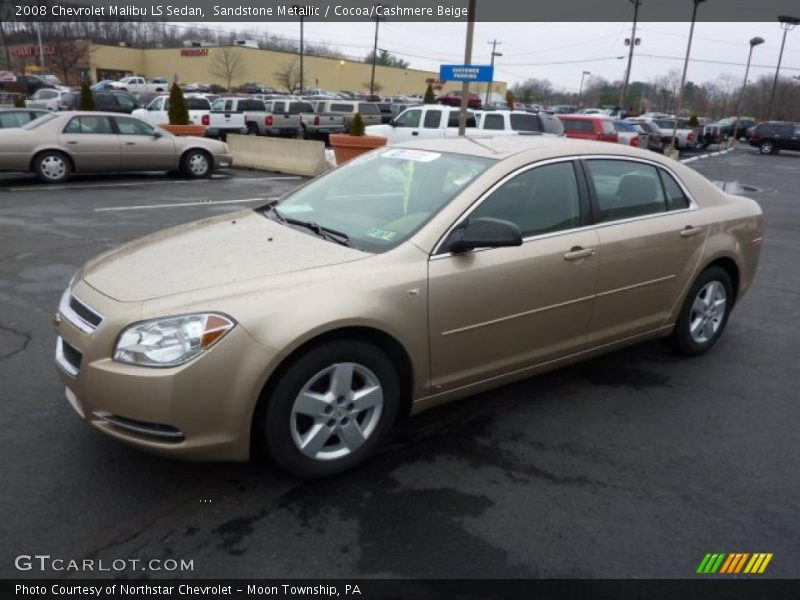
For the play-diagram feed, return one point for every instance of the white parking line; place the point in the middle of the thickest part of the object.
(181, 204)
(39, 188)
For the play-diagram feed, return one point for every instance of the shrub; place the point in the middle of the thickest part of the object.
(430, 97)
(693, 121)
(19, 102)
(178, 113)
(87, 99)
(357, 126)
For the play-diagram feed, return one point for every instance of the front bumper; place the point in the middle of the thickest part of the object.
(223, 161)
(198, 411)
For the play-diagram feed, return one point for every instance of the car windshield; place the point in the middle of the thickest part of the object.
(380, 199)
(40, 121)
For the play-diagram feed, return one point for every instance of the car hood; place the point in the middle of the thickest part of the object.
(214, 252)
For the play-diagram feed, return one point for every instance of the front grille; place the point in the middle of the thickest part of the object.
(84, 312)
(165, 433)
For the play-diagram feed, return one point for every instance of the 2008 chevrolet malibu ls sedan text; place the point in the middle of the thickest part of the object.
(405, 278)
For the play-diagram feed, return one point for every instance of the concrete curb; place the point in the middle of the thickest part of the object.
(706, 155)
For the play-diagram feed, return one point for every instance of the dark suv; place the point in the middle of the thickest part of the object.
(773, 136)
(116, 101)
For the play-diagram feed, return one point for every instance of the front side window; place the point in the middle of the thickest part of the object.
(625, 189)
(541, 200)
(133, 127)
(581, 125)
(156, 104)
(382, 198)
(410, 118)
(89, 124)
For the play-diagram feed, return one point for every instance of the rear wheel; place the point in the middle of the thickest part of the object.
(704, 314)
(331, 409)
(766, 147)
(196, 164)
(252, 129)
(52, 166)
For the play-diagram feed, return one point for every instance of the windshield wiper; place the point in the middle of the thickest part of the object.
(324, 232)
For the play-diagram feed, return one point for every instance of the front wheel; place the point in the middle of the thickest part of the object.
(704, 313)
(196, 164)
(52, 166)
(766, 147)
(330, 409)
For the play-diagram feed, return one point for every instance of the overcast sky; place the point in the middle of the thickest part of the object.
(535, 49)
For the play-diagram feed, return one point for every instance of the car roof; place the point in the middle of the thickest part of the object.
(584, 117)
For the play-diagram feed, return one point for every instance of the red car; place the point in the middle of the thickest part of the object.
(454, 99)
(589, 127)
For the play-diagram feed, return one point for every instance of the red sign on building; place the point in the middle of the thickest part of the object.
(194, 51)
(33, 50)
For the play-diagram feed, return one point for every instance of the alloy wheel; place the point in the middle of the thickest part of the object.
(708, 312)
(336, 411)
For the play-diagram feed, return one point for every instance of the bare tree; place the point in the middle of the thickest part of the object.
(227, 64)
(288, 76)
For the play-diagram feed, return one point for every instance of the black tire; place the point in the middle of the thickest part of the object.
(766, 147)
(275, 422)
(682, 341)
(191, 164)
(52, 166)
(252, 129)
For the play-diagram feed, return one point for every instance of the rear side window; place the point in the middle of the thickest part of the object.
(525, 122)
(454, 115)
(14, 119)
(540, 200)
(608, 127)
(88, 124)
(626, 189)
(578, 125)
(104, 100)
(551, 124)
(197, 104)
(344, 108)
(300, 107)
(493, 122)
(676, 199)
(433, 118)
(256, 105)
(368, 109)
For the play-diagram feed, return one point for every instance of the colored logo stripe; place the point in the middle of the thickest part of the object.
(734, 563)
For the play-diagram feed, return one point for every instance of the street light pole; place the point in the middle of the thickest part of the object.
(374, 56)
(683, 78)
(787, 24)
(580, 89)
(462, 117)
(624, 92)
(756, 41)
(489, 85)
(298, 10)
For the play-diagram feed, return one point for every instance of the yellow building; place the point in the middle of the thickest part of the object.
(198, 64)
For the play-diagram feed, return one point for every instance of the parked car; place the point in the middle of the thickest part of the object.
(59, 144)
(454, 99)
(17, 117)
(110, 101)
(710, 134)
(254, 111)
(774, 136)
(24, 84)
(341, 307)
(197, 87)
(729, 125)
(219, 123)
(519, 120)
(589, 127)
(103, 85)
(386, 111)
(370, 113)
(654, 139)
(139, 85)
(630, 134)
(49, 99)
(685, 135)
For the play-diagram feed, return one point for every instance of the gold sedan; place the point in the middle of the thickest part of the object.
(408, 277)
(59, 144)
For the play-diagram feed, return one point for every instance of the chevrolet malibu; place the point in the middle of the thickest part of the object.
(408, 277)
(59, 144)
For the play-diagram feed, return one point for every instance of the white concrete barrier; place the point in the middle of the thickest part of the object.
(295, 157)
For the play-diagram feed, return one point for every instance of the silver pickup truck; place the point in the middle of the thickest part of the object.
(254, 111)
(297, 118)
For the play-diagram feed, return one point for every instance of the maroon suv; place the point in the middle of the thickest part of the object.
(454, 99)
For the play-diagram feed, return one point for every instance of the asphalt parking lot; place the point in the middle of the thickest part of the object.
(635, 464)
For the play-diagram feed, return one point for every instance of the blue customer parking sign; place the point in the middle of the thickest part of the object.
(466, 73)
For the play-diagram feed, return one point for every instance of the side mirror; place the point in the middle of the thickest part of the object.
(484, 232)
(392, 121)
(157, 134)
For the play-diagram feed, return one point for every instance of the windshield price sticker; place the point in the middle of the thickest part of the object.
(415, 155)
(381, 234)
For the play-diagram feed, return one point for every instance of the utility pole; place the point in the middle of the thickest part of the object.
(756, 41)
(462, 118)
(41, 48)
(683, 78)
(624, 92)
(580, 89)
(374, 55)
(299, 10)
(787, 24)
(489, 85)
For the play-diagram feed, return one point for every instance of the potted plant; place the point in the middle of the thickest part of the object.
(179, 123)
(347, 146)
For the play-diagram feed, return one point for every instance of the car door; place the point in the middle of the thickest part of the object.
(407, 126)
(494, 311)
(651, 241)
(92, 142)
(142, 148)
(155, 111)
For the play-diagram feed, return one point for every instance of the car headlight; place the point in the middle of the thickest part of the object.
(171, 341)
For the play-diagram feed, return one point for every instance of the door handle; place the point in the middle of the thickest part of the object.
(130, 143)
(72, 142)
(689, 231)
(576, 252)
(415, 133)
